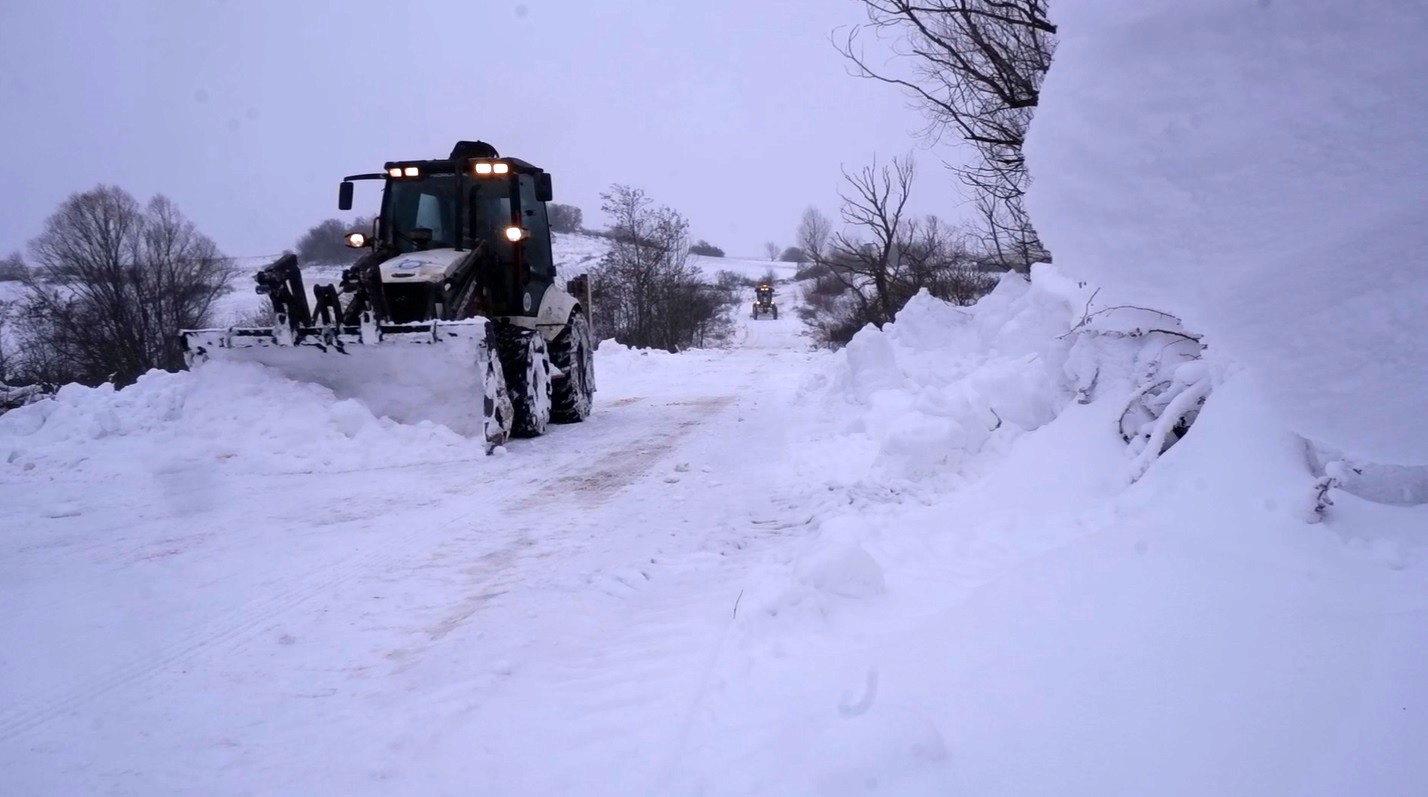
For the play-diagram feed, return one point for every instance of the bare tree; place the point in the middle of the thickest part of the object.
(874, 204)
(324, 242)
(649, 293)
(13, 268)
(565, 218)
(865, 273)
(126, 279)
(7, 356)
(705, 249)
(772, 250)
(976, 69)
(941, 260)
(813, 231)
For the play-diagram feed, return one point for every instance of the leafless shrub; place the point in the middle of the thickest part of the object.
(705, 249)
(324, 242)
(864, 273)
(648, 292)
(565, 218)
(13, 268)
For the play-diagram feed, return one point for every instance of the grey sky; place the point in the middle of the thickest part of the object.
(248, 112)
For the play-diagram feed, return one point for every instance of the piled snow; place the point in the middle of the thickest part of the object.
(933, 389)
(1257, 168)
(839, 565)
(1050, 625)
(240, 416)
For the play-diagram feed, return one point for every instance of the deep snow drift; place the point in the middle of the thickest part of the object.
(1047, 626)
(1258, 168)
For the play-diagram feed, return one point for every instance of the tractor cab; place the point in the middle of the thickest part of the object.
(466, 235)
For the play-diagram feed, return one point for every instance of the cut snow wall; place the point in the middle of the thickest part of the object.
(937, 385)
(1259, 169)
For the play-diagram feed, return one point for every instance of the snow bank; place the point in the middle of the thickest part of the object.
(241, 416)
(1257, 168)
(1086, 612)
(934, 388)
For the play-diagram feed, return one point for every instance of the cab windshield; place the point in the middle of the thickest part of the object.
(430, 204)
(426, 204)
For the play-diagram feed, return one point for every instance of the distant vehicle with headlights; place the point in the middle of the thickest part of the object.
(455, 309)
(763, 302)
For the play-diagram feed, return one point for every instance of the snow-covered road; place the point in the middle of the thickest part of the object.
(406, 628)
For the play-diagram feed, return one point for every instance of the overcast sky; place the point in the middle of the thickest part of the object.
(247, 113)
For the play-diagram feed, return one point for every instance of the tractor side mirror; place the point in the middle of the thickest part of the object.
(544, 192)
(344, 195)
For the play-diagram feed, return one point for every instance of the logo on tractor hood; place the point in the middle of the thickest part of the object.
(432, 265)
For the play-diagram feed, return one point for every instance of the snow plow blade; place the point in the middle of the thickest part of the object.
(446, 372)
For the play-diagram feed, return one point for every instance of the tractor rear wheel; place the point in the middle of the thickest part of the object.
(526, 364)
(573, 353)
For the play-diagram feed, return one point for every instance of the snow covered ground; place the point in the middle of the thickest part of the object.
(949, 559)
(919, 566)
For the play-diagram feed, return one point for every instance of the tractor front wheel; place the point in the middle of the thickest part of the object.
(526, 363)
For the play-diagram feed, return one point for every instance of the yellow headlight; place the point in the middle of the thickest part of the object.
(483, 168)
(411, 171)
(514, 234)
(395, 171)
(501, 168)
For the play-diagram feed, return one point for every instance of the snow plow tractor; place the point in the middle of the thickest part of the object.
(764, 306)
(454, 315)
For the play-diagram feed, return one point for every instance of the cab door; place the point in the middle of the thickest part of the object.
(536, 249)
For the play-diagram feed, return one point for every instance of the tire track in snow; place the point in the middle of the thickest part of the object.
(606, 476)
(591, 487)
